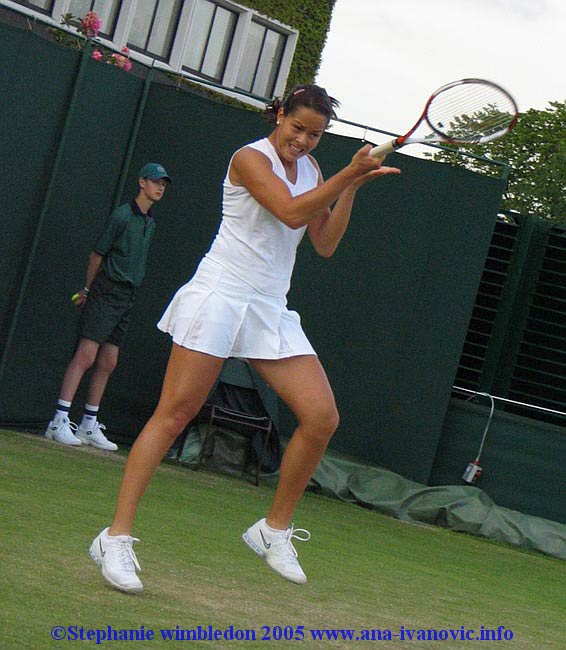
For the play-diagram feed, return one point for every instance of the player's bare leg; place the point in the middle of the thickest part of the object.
(302, 383)
(188, 381)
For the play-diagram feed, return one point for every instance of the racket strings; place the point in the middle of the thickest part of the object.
(471, 112)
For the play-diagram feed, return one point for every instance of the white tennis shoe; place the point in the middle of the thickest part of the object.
(117, 561)
(62, 431)
(277, 549)
(95, 437)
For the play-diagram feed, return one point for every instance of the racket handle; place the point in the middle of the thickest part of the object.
(384, 149)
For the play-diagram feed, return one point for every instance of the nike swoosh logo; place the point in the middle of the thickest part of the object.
(102, 551)
(265, 543)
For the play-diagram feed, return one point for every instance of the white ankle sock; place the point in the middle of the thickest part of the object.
(89, 416)
(275, 531)
(62, 411)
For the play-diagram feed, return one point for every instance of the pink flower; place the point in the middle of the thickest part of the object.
(97, 54)
(90, 24)
(126, 50)
(121, 61)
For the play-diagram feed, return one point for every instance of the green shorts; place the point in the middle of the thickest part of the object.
(105, 316)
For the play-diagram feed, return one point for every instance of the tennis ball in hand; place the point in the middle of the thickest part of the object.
(75, 297)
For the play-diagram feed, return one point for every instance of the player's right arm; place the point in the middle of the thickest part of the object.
(252, 169)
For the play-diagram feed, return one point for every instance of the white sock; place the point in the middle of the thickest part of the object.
(275, 531)
(63, 408)
(89, 416)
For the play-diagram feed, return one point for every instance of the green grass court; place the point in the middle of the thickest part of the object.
(365, 571)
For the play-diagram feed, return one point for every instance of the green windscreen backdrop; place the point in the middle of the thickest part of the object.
(32, 118)
(387, 314)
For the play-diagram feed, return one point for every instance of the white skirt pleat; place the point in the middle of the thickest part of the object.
(218, 314)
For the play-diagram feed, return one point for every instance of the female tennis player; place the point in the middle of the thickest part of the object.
(235, 306)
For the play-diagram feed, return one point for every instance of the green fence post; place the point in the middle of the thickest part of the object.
(133, 139)
(85, 55)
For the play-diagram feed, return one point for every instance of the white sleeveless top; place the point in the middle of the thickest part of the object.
(251, 243)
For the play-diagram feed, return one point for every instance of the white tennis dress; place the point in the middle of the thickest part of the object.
(235, 305)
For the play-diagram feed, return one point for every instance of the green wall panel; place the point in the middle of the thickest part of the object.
(36, 82)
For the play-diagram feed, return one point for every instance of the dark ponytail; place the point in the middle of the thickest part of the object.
(304, 96)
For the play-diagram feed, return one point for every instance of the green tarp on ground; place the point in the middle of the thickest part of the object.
(461, 508)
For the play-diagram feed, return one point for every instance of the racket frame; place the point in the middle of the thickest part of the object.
(382, 150)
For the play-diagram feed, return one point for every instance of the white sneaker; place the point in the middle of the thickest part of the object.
(62, 431)
(277, 549)
(95, 437)
(117, 561)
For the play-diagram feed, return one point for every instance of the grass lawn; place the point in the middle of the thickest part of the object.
(365, 571)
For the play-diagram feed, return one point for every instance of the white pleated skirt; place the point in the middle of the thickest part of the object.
(218, 314)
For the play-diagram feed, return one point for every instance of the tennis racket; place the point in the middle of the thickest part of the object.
(469, 111)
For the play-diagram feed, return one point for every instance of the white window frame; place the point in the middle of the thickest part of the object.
(245, 15)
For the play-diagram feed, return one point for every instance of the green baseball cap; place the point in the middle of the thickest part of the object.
(154, 171)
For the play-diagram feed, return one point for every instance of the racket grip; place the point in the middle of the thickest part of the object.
(384, 149)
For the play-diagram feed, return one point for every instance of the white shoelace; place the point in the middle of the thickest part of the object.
(67, 422)
(290, 534)
(126, 555)
(99, 428)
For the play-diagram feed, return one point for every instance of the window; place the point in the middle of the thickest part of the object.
(154, 26)
(107, 11)
(209, 39)
(261, 61)
(43, 5)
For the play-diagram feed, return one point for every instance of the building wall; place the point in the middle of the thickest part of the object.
(216, 41)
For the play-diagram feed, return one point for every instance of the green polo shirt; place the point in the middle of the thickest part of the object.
(124, 244)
